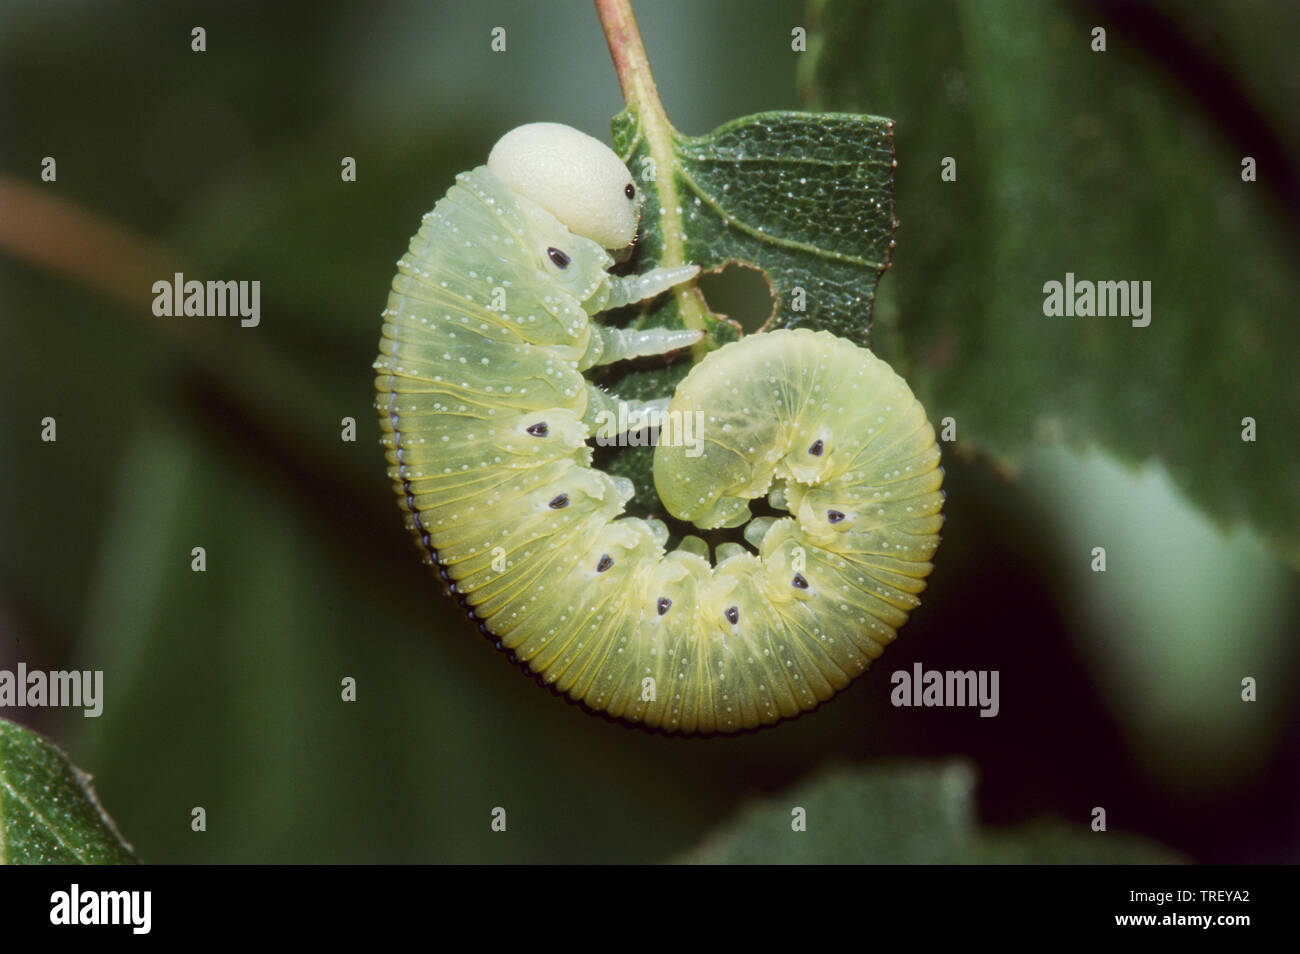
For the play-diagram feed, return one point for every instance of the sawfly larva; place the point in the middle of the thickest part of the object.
(487, 416)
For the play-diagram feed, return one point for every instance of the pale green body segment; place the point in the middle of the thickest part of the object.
(486, 416)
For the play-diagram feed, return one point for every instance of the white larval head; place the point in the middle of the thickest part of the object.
(575, 177)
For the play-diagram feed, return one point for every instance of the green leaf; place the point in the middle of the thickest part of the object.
(905, 814)
(49, 814)
(1107, 166)
(805, 198)
(1150, 630)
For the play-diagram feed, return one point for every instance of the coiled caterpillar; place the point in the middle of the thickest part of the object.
(486, 416)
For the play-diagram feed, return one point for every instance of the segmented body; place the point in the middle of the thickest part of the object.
(486, 416)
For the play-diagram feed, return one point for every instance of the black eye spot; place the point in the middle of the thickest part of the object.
(834, 516)
(604, 564)
(560, 502)
(799, 581)
(733, 615)
(664, 603)
(559, 258)
(538, 430)
(816, 449)
(630, 191)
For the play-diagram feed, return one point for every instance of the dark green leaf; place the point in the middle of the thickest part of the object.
(805, 198)
(1108, 166)
(49, 814)
(905, 814)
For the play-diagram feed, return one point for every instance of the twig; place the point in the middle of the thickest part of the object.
(630, 60)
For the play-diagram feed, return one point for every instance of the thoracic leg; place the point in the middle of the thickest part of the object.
(606, 411)
(616, 344)
(623, 290)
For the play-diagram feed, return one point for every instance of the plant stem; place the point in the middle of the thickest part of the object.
(630, 60)
(642, 97)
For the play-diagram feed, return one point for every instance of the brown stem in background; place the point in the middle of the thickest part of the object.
(40, 228)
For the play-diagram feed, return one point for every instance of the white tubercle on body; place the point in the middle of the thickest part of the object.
(577, 178)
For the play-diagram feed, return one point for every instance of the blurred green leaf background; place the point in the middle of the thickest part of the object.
(222, 688)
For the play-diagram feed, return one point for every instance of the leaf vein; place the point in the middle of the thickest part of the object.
(777, 240)
(4, 782)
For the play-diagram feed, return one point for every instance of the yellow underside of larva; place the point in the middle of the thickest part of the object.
(589, 600)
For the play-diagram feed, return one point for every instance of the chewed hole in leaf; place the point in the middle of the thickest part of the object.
(742, 293)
